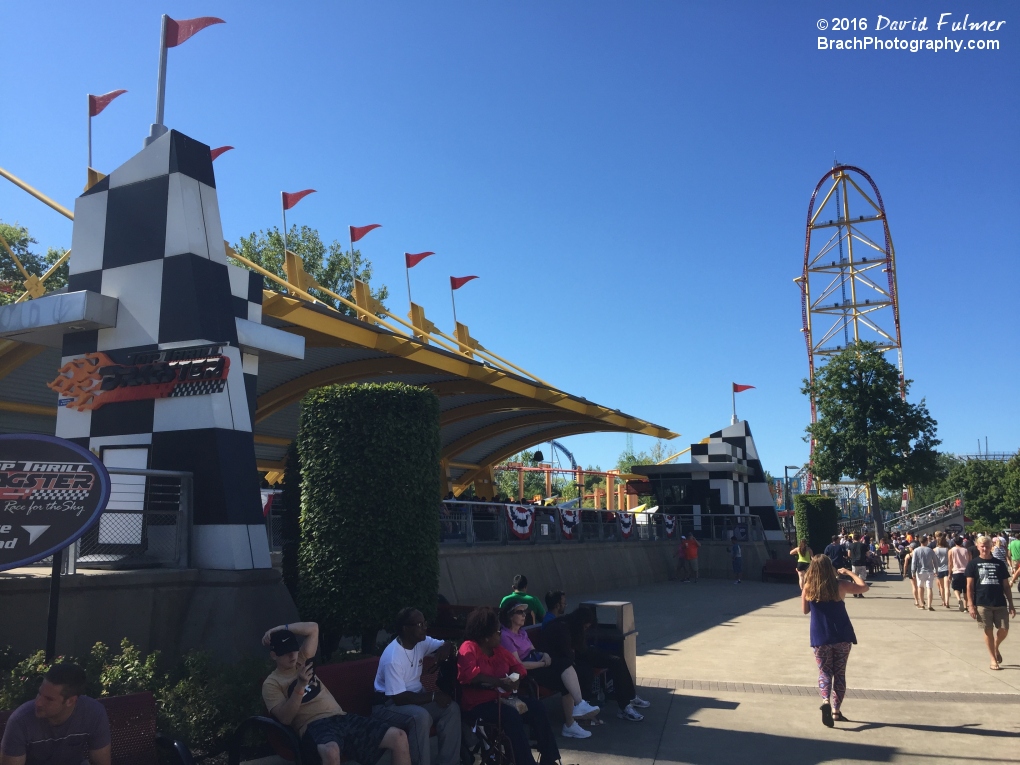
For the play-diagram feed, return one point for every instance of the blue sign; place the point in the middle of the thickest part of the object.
(51, 492)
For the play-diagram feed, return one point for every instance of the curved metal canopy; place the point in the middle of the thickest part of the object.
(487, 413)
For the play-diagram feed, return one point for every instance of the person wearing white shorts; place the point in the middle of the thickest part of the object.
(924, 564)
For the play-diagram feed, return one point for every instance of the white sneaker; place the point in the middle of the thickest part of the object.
(630, 714)
(575, 731)
(639, 703)
(585, 710)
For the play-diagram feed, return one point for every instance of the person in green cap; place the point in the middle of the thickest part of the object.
(520, 595)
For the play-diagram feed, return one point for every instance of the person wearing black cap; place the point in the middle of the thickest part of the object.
(296, 697)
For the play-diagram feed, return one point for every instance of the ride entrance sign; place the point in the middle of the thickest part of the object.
(51, 492)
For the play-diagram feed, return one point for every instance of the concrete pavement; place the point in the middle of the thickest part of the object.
(732, 679)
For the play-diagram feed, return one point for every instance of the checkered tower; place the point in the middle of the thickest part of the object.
(747, 494)
(149, 234)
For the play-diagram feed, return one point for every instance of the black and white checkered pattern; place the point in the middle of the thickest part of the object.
(149, 235)
(199, 388)
(737, 493)
(58, 494)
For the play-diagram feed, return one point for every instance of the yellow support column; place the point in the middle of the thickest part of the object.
(485, 484)
(423, 328)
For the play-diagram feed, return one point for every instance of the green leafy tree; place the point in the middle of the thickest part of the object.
(506, 480)
(865, 431)
(932, 490)
(22, 244)
(331, 266)
(983, 483)
(1011, 489)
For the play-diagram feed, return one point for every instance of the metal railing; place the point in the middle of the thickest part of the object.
(487, 523)
(933, 513)
(146, 524)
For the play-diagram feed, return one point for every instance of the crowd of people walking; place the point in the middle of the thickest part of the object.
(978, 570)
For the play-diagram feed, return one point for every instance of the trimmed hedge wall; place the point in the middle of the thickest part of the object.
(370, 492)
(817, 519)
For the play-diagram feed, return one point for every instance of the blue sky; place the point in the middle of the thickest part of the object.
(629, 179)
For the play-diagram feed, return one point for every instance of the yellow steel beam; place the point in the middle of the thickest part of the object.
(13, 354)
(481, 408)
(271, 440)
(272, 401)
(37, 194)
(523, 443)
(22, 408)
(481, 435)
(362, 335)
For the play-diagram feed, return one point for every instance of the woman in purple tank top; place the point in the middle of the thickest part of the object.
(832, 634)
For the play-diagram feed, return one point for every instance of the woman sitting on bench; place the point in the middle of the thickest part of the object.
(557, 674)
(488, 674)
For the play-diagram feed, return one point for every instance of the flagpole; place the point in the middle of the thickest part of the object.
(454, 301)
(407, 273)
(158, 128)
(283, 207)
(90, 135)
(733, 395)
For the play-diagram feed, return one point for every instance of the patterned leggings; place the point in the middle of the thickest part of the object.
(831, 661)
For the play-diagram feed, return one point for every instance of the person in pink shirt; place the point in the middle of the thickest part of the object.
(959, 557)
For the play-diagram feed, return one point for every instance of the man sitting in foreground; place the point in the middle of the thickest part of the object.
(60, 726)
(296, 697)
(400, 698)
(520, 595)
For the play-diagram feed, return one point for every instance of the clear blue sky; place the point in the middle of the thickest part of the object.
(629, 179)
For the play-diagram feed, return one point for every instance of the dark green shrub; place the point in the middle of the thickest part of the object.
(291, 528)
(369, 507)
(204, 700)
(817, 520)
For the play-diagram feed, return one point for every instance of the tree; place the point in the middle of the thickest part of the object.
(933, 490)
(983, 485)
(865, 430)
(21, 243)
(332, 267)
(1011, 489)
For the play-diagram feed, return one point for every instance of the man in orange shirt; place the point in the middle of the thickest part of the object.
(691, 554)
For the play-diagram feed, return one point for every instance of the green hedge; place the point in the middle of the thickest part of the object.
(369, 507)
(817, 519)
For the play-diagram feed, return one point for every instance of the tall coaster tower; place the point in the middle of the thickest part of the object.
(848, 285)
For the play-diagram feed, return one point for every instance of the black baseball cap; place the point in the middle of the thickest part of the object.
(283, 641)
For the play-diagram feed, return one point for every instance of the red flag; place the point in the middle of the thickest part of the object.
(739, 388)
(359, 231)
(179, 31)
(292, 198)
(98, 103)
(214, 153)
(456, 282)
(411, 260)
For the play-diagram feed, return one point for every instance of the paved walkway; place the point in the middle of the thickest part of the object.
(732, 680)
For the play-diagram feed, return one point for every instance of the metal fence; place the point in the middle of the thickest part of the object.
(486, 523)
(146, 524)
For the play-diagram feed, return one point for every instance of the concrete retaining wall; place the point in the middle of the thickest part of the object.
(479, 575)
(173, 611)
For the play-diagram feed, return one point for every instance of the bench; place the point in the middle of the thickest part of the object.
(779, 568)
(351, 683)
(133, 736)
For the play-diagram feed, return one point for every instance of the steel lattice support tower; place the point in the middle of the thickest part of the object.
(848, 285)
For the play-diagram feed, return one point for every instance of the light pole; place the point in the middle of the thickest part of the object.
(786, 488)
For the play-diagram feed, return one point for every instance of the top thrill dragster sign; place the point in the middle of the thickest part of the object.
(51, 492)
(95, 379)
